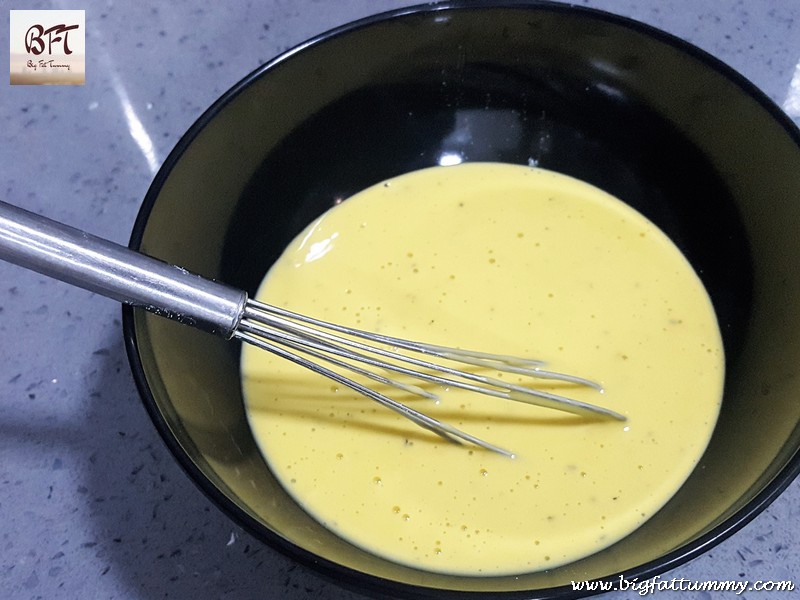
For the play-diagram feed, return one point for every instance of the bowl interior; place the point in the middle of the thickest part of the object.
(658, 124)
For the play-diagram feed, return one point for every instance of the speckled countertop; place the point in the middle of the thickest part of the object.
(92, 505)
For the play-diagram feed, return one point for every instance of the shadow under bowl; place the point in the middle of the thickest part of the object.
(634, 111)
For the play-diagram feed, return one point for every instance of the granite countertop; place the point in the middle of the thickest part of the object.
(92, 504)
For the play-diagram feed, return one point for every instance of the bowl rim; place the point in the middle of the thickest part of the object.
(346, 576)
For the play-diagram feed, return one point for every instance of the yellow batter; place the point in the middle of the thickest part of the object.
(505, 259)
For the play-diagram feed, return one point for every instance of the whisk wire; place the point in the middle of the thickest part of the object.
(438, 427)
(313, 337)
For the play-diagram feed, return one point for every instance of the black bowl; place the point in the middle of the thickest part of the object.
(639, 113)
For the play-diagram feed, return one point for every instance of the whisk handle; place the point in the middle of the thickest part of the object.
(115, 271)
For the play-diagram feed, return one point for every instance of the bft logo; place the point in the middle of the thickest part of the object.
(35, 43)
(47, 47)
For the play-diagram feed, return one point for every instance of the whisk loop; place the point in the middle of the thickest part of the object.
(275, 329)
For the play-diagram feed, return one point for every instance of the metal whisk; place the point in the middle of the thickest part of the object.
(117, 272)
